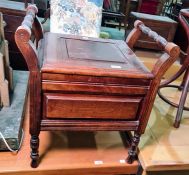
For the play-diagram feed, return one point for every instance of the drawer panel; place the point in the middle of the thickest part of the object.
(89, 106)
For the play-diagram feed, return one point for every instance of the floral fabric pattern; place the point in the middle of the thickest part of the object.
(77, 17)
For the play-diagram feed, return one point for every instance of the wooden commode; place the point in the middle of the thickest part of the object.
(88, 84)
(91, 79)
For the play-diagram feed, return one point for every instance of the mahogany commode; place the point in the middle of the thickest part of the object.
(89, 84)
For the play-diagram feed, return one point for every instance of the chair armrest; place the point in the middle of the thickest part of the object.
(172, 51)
(162, 64)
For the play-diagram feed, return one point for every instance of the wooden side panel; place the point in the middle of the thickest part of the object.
(89, 106)
(46, 77)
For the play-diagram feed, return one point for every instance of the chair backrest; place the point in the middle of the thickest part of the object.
(77, 17)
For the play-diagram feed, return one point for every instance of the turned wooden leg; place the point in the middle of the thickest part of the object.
(185, 78)
(34, 144)
(132, 153)
(182, 101)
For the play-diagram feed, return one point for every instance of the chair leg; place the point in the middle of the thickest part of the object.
(132, 153)
(184, 79)
(182, 100)
(34, 144)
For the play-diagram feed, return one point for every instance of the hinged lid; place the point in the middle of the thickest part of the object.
(90, 56)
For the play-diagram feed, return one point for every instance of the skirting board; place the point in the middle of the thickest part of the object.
(11, 118)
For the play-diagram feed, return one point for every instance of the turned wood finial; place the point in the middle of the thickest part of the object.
(30, 26)
(24, 31)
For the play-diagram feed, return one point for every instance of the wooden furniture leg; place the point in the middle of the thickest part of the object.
(35, 105)
(133, 149)
(184, 13)
(34, 144)
(182, 100)
(184, 88)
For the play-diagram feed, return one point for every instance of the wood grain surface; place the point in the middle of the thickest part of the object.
(70, 153)
(83, 104)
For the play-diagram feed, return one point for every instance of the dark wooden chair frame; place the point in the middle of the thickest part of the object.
(184, 86)
(34, 62)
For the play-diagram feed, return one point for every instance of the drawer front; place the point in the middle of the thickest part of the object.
(89, 106)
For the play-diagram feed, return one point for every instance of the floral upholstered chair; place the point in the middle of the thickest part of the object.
(77, 17)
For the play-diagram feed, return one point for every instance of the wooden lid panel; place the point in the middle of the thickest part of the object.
(87, 56)
(94, 51)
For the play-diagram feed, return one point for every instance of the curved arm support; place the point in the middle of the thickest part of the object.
(167, 59)
(31, 27)
(23, 35)
(162, 64)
